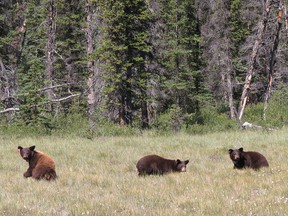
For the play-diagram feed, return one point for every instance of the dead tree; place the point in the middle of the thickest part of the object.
(285, 14)
(272, 61)
(90, 65)
(252, 61)
(95, 82)
(50, 48)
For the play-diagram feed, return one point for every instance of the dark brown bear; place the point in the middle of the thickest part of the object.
(41, 166)
(249, 159)
(154, 164)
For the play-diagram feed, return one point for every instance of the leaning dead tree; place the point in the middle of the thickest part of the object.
(252, 61)
(272, 60)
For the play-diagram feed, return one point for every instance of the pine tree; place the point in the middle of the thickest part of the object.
(32, 68)
(12, 36)
(124, 52)
(180, 58)
(217, 54)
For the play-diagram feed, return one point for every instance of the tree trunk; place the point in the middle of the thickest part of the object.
(144, 115)
(285, 14)
(230, 95)
(90, 66)
(250, 72)
(95, 82)
(272, 60)
(50, 52)
(125, 114)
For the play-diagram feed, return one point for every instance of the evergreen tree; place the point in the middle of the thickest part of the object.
(12, 36)
(124, 52)
(32, 70)
(217, 54)
(180, 59)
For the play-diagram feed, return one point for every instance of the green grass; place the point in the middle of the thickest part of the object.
(99, 177)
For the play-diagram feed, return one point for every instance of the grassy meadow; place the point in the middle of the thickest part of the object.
(99, 177)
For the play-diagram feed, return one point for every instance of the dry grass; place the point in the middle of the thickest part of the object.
(99, 177)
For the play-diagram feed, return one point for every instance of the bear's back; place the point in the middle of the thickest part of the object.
(44, 160)
(44, 166)
(154, 164)
(255, 159)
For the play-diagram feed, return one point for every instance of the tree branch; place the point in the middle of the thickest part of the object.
(65, 98)
(55, 100)
(9, 110)
(52, 87)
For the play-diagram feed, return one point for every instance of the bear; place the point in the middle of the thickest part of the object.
(41, 165)
(154, 164)
(249, 159)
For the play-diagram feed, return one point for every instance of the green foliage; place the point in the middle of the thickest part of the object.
(124, 51)
(8, 23)
(206, 121)
(32, 69)
(70, 42)
(239, 33)
(211, 121)
(276, 114)
(169, 120)
(182, 79)
(146, 51)
(239, 29)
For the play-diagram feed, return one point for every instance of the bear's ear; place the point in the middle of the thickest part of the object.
(19, 149)
(178, 161)
(230, 151)
(31, 148)
(186, 162)
(240, 149)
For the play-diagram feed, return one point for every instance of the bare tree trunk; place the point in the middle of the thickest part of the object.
(226, 80)
(230, 96)
(272, 60)
(250, 72)
(144, 115)
(95, 82)
(285, 14)
(90, 66)
(51, 34)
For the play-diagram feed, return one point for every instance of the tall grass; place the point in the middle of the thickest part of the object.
(98, 176)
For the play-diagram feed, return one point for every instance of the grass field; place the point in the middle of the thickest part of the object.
(99, 177)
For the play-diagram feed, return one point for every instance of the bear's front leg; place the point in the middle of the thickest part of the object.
(28, 173)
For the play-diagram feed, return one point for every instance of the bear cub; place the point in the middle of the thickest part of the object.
(249, 159)
(154, 164)
(41, 166)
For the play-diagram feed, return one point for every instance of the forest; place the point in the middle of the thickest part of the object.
(168, 65)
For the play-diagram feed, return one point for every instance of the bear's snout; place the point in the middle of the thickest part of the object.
(25, 156)
(236, 157)
(183, 169)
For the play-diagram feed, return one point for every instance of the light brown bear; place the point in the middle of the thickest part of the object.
(41, 166)
(154, 164)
